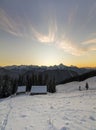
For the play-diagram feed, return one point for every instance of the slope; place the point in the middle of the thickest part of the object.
(68, 109)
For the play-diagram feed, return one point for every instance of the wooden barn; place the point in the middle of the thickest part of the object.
(21, 89)
(38, 90)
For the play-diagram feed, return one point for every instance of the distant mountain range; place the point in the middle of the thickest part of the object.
(60, 72)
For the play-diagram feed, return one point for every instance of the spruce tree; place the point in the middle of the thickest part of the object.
(7, 86)
(40, 79)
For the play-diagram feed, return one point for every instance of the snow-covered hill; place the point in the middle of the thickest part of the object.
(68, 109)
(74, 86)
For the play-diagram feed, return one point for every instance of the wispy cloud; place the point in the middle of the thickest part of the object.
(76, 49)
(12, 26)
(23, 29)
(90, 41)
(70, 47)
(48, 38)
(91, 44)
(64, 43)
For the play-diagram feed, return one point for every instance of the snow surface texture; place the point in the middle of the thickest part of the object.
(68, 109)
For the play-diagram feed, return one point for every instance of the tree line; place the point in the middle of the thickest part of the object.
(79, 78)
(8, 85)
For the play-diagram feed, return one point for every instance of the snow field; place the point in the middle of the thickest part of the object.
(68, 109)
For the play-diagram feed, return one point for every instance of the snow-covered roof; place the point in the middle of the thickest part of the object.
(39, 89)
(21, 89)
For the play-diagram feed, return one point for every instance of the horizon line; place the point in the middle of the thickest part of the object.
(48, 65)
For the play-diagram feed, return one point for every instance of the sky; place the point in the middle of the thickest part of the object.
(48, 32)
